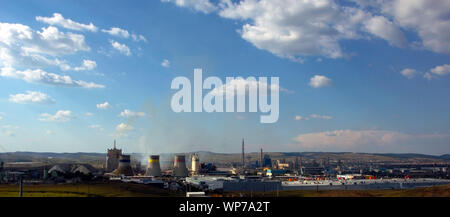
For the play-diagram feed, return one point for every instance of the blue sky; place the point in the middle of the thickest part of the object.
(381, 75)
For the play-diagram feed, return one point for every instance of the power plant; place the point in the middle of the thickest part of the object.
(179, 166)
(124, 166)
(112, 158)
(153, 168)
(195, 164)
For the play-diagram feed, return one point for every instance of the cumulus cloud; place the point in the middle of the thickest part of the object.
(122, 127)
(122, 48)
(118, 32)
(104, 105)
(165, 63)
(441, 70)
(130, 114)
(87, 65)
(204, 6)
(59, 116)
(429, 18)
(42, 77)
(89, 114)
(59, 20)
(294, 29)
(19, 42)
(385, 29)
(242, 86)
(33, 97)
(366, 140)
(318, 81)
(409, 73)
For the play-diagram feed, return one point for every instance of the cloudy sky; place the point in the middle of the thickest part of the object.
(357, 75)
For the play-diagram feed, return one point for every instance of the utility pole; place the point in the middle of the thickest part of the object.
(20, 186)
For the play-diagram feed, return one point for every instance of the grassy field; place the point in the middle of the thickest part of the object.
(435, 191)
(86, 190)
(139, 190)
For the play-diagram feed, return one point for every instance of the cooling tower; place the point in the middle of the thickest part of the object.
(153, 168)
(124, 166)
(195, 164)
(179, 166)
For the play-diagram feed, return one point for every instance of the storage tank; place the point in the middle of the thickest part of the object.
(124, 166)
(153, 168)
(195, 164)
(179, 166)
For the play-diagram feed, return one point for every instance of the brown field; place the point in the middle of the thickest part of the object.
(139, 190)
(435, 191)
(86, 190)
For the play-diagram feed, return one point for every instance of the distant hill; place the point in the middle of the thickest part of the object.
(98, 159)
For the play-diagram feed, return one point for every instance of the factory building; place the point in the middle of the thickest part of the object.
(112, 158)
(179, 166)
(153, 168)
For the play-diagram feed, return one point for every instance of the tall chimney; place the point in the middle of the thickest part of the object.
(243, 154)
(261, 158)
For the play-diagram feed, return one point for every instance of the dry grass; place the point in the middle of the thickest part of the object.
(86, 190)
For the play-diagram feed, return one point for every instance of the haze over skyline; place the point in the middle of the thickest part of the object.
(358, 76)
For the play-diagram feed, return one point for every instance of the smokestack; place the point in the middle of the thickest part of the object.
(243, 154)
(153, 168)
(261, 158)
(124, 166)
(179, 166)
(195, 164)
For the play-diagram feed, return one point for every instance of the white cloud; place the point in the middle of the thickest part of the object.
(324, 117)
(138, 38)
(366, 140)
(429, 18)
(441, 70)
(385, 29)
(89, 114)
(294, 29)
(96, 126)
(1, 118)
(320, 81)
(59, 20)
(165, 63)
(104, 105)
(122, 48)
(312, 116)
(48, 132)
(204, 6)
(59, 116)
(19, 44)
(299, 118)
(115, 31)
(242, 86)
(122, 127)
(87, 65)
(130, 114)
(43, 77)
(409, 73)
(428, 76)
(31, 97)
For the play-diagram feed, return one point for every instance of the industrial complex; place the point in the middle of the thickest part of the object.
(252, 172)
